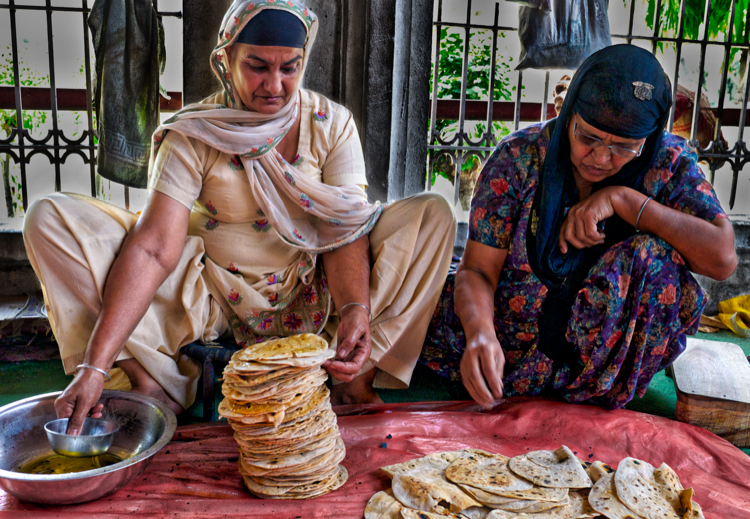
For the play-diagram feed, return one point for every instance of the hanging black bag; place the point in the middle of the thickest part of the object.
(564, 36)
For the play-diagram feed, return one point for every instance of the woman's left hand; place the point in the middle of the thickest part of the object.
(353, 345)
(580, 227)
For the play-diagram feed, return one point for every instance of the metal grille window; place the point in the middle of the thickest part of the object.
(41, 116)
(702, 45)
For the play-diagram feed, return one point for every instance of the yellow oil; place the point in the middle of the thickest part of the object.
(56, 464)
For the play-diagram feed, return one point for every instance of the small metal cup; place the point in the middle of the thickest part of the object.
(95, 438)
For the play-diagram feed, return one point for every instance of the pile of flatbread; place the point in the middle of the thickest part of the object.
(474, 484)
(278, 405)
(637, 489)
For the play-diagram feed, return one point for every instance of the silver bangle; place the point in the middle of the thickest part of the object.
(356, 304)
(89, 366)
(638, 219)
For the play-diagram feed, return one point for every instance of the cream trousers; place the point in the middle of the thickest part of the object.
(72, 242)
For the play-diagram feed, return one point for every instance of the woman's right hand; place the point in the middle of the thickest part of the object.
(482, 367)
(483, 360)
(79, 400)
(148, 256)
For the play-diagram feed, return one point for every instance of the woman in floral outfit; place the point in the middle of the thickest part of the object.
(583, 233)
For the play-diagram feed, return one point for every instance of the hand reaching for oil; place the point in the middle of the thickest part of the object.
(79, 400)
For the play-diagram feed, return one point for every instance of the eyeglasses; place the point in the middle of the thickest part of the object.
(595, 142)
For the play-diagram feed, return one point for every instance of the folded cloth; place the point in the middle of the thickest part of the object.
(129, 46)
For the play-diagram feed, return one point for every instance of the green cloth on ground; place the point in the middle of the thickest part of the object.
(30, 378)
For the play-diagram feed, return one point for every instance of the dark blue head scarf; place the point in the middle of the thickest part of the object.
(274, 28)
(621, 90)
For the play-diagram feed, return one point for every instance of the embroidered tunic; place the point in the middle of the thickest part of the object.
(252, 272)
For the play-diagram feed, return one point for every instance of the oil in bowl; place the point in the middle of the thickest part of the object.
(57, 464)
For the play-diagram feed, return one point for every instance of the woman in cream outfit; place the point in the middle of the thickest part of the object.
(256, 225)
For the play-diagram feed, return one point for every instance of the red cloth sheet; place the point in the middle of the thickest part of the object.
(196, 476)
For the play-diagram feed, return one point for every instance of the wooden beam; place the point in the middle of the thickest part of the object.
(504, 110)
(70, 99)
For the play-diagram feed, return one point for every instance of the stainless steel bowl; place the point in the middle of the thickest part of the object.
(95, 438)
(146, 425)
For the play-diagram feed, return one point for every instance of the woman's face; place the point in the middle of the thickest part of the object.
(590, 164)
(265, 77)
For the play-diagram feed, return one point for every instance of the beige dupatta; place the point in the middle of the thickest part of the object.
(306, 214)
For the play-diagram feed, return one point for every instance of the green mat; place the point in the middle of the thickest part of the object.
(25, 379)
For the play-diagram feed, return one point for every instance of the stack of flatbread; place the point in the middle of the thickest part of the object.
(474, 484)
(277, 403)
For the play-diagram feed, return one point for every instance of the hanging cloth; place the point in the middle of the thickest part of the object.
(129, 48)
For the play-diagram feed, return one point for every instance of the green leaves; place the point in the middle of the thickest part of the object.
(31, 119)
(694, 13)
(718, 29)
(450, 76)
(451, 60)
(28, 76)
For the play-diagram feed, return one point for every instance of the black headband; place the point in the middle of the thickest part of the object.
(274, 28)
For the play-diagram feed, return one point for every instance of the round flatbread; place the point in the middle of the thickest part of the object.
(603, 498)
(409, 513)
(690, 509)
(646, 493)
(553, 469)
(246, 368)
(488, 472)
(430, 492)
(296, 346)
(474, 512)
(577, 508)
(597, 469)
(533, 494)
(273, 489)
(313, 466)
(341, 477)
(532, 507)
(268, 415)
(383, 506)
(437, 460)
(289, 429)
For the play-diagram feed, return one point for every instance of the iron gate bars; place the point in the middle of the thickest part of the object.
(460, 146)
(56, 146)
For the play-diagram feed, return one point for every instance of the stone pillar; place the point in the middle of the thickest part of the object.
(379, 96)
(200, 29)
(352, 64)
(411, 98)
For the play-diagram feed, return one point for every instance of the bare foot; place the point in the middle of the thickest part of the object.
(143, 383)
(358, 391)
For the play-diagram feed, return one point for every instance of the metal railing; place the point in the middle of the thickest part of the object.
(20, 145)
(458, 147)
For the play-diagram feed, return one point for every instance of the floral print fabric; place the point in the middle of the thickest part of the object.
(255, 275)
(628, 320)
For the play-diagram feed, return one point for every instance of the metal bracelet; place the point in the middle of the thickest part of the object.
(356, 304)
(89, 366)
(638, 219)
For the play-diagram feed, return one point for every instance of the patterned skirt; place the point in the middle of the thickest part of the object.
(628, 321)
